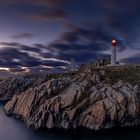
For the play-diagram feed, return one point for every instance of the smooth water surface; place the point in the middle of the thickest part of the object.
(12, 129)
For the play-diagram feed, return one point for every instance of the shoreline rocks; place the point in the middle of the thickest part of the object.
(84, 99)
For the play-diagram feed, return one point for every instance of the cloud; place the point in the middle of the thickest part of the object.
(52, 5)
(92, 39)
(77, 45)
(21, 47)
(50, 14)
(46, 10)
(122, 17)
(80, 53)
(23, 35)
(34, 2)
(16, 55)
(131, 60)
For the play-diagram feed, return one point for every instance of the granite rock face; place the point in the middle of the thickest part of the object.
(102, 62)
(83, 99)
(13, 85)
(98, 63)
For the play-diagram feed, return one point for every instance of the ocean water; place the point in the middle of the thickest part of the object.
(13, 129)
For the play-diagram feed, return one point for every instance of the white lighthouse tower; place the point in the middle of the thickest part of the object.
(113, 52)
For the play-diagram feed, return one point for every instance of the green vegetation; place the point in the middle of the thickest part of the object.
(129, 74)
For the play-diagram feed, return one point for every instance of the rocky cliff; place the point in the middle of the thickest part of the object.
(91, 98)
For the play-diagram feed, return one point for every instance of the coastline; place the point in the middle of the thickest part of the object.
(93, 98)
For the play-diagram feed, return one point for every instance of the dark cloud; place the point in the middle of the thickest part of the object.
(35, 2)
(23, 35)
(47, 10)
(78, 46)
(131, 60)
(122, 18)
(51, 14)
(21, 47)
(55, 55)
(53, 63)
(20, 55)
(93, 39)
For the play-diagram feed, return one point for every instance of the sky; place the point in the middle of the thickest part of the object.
(52, 33)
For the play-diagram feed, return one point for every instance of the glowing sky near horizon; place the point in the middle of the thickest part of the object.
(51, 33)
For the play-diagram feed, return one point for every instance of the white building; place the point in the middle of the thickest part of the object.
(113, 53)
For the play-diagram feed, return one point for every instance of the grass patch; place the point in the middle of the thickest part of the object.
(129, 74)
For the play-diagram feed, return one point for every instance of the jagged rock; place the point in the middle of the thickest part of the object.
(102, 72)
(102, 62)
(91, 66)
(81, 100)
(14, 85)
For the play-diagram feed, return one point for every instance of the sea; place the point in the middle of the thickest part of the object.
(14, 129)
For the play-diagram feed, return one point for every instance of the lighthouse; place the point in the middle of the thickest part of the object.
(113, 52)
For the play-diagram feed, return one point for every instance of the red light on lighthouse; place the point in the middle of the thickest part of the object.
(114, 42)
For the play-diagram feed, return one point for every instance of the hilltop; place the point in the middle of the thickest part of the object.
(91, 97)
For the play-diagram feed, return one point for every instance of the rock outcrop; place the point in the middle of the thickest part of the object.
(82, 99)
(98, 63)
(102, 62)
(13, 85)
